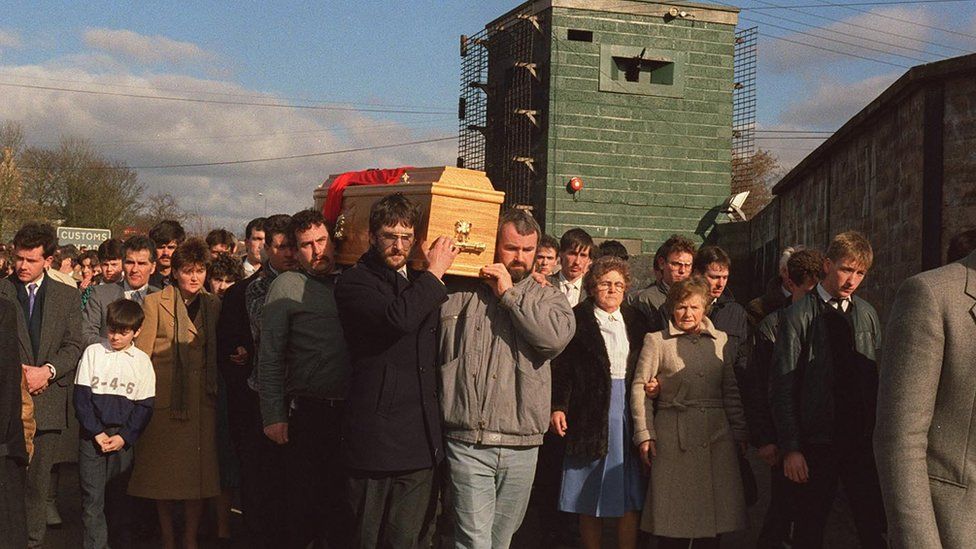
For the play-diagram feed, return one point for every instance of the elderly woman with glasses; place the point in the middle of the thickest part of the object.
(601, 471)
(690, 444)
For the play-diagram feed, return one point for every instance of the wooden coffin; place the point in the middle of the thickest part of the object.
(454, 202)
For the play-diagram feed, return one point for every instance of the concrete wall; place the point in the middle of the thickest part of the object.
(653, 165)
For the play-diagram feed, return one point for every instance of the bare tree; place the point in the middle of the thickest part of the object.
(78, 186)
(755, 174)
(159, 206)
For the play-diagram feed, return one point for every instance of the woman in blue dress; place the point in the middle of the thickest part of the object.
(601, 471)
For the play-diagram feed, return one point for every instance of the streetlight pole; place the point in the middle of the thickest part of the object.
(265, 203)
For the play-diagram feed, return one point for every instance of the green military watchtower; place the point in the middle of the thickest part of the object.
(634, 98)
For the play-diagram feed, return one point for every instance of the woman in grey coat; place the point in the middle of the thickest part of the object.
(690, 445)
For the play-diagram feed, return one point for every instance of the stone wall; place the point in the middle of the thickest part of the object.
(959, 186)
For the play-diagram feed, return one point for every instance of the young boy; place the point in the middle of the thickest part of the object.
(114, 391)
(823, 393)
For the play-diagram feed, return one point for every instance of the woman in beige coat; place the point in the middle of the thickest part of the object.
(176, 459)
(690, 445)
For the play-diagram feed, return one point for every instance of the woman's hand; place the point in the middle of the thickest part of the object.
(648, 450)
(652, 388)
(558, 423)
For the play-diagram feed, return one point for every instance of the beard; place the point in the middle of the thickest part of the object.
(395, 259)
(518, 271)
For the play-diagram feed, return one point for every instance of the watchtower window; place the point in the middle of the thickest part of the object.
(577, 35)
(644, 71)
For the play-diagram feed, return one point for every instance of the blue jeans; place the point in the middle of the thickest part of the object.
(491, 487)
(103, 481)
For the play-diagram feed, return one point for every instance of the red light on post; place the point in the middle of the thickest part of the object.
(574, 186)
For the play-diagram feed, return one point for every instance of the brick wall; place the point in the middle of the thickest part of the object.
(652, 165)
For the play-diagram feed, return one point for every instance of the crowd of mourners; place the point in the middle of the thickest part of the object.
(389, 404)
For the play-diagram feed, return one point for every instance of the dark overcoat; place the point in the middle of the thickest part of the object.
(13, 453)
(581, 379)
(392, 420)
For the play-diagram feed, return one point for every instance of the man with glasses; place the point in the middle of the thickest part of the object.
(391, 431)
(674, 261)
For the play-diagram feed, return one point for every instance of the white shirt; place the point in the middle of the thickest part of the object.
(614, 333)
(572, 290)
(844, 303)
(139, 296)
(127, 373)
(249, 269)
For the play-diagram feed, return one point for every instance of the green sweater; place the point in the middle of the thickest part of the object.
(303, 351)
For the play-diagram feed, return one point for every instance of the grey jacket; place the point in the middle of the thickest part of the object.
(924, 434)
(93, 326)
(496, 385)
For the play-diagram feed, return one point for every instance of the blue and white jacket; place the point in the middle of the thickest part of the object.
(114, 389)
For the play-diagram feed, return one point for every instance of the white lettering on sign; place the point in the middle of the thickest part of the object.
(82, 237)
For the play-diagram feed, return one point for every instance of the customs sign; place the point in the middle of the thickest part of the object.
(89, 238)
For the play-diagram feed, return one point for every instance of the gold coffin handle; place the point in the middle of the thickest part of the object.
(340, 229)
(462, 229)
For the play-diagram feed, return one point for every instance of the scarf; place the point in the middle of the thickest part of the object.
(178, 406)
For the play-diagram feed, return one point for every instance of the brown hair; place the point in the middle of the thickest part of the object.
(708, 255)
(680, 291)
(675, 244)
(192, 251)
(602, 266)
(851, 245)
(805, 264)
(392, 210)
(124, 314)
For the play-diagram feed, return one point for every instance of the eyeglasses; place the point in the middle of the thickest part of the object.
(389, 239)
(605, 286)
(679, 265)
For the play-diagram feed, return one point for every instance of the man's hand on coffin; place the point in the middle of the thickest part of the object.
(440, 256)
(497, 277)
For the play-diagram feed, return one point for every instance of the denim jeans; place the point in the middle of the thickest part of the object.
(491, 487)
(103, 500)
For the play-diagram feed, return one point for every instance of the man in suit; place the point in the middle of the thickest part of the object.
(13, 462)
(49, 351)
(167, 236)
(574, 257)
(574, 260)
(673, 261)
(139, 253)
(925, 409)
(389, 316)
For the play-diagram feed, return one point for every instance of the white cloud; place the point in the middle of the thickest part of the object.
(147, 132)
(10, 39)
(834, 102)
(146, 49)
(866, 34)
